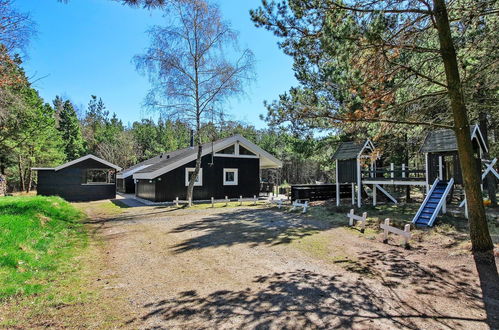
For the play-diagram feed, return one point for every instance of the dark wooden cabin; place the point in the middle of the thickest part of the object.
(125, 183)
(440, 149)
(87, 178)
(229, 167)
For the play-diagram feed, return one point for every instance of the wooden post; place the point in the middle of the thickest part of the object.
(403, 170)
(363, 224)
(226, 201)
(353, 193)
(212, 202)
(440, 168)
(359, 184)
(350, 216)
(392, 168)
(337, 186)
(374, 195)
(240, 200)
(427, 173)
(407, 229)
(176, 202)
(279, 203)
(465, 207)
(254, 197)
(385, 233)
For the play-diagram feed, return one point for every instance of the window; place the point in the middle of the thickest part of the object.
(231, 150)
(189, 172)
(100, 176)
(230, 176)
(244, 151)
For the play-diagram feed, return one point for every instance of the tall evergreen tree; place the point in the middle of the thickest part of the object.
(69, 126)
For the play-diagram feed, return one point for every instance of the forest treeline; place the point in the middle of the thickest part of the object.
(37, 133)
(303, 130)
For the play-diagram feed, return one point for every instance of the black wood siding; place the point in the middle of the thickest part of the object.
(67, 183)
(172, 184)
(126, 185)
(433, 166)
(347, 171)
(146, 189)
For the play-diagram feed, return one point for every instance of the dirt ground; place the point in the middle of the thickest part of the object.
(260, 267)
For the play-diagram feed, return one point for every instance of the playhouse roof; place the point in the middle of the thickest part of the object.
(445, 140)
(351, 150)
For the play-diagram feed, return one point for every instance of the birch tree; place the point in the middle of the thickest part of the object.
(194, 66)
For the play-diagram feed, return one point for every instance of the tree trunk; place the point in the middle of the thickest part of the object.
(3, 183)
(479, 231)
(30, 177)
(21, 174)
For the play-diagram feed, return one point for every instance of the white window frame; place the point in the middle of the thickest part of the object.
(236, 177)
(199, 181)
(236, 153)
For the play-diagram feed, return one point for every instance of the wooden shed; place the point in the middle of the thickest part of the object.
(442, 160)
(87, 178)
(348, 166)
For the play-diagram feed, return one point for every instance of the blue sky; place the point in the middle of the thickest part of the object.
(85, 47)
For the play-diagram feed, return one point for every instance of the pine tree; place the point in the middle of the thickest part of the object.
(69, 126)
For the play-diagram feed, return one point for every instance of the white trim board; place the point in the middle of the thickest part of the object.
(197, 183)
(79, 160)
(217, 146)
(126, 174)
(367, 144)
(236, 177)
(479, 135)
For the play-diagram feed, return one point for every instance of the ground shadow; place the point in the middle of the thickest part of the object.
(255, 227)
(489, 283)
(303, 299)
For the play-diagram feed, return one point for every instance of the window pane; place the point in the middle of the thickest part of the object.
(229, 176)
(100, 176)
(228, 151)
(244, 151)
(191, 174)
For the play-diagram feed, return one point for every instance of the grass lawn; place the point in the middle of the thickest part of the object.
(38, 236)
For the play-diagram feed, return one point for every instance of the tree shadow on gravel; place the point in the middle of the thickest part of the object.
(305, 299)
(254, 227)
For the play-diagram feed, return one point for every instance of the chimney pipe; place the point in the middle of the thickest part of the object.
(192, 138)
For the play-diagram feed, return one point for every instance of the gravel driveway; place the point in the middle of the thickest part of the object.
(254, 267)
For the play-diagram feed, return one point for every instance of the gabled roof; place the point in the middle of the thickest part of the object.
(148, 162)
(186, 155)
(352, 150)
(445, 140)
(76, 161)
